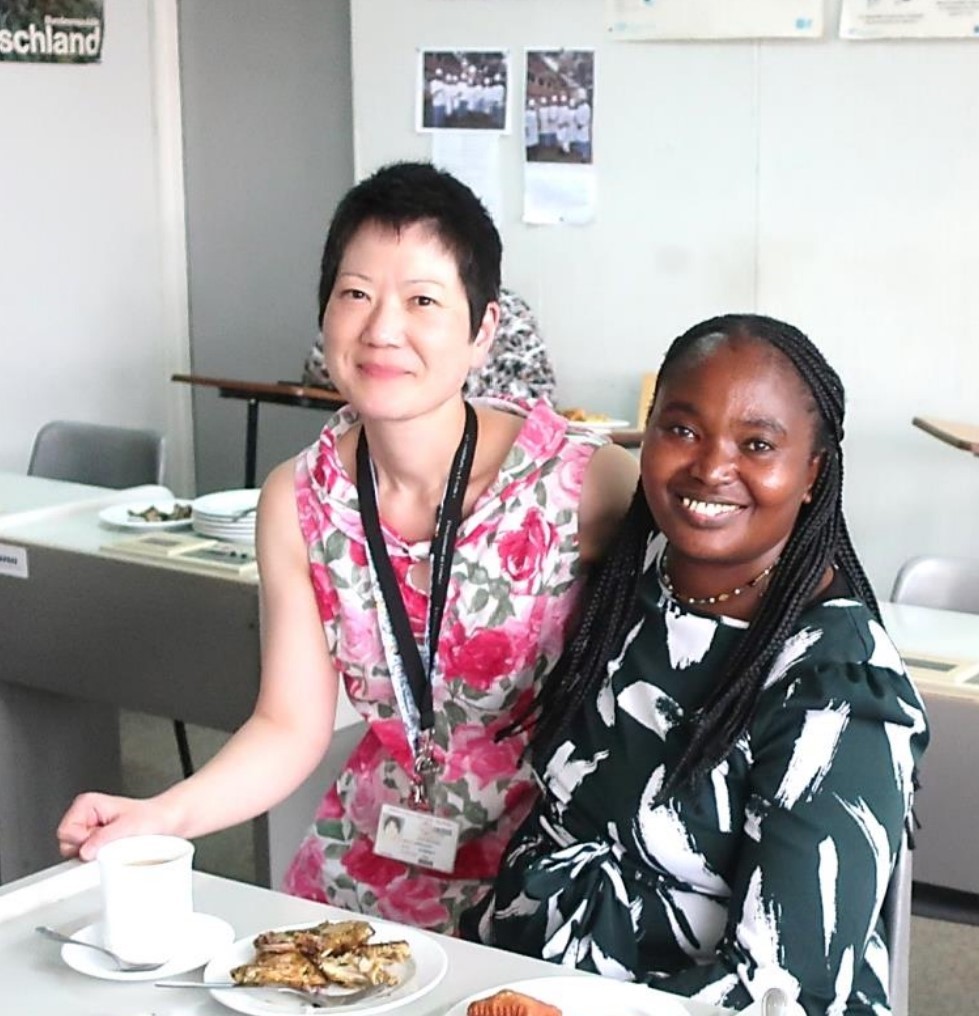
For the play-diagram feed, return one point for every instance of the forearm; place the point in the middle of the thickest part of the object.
(258, 767)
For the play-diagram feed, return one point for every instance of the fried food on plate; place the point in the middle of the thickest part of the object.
(577, 415)
(332, 953)
(511, 1003)
(179, 513)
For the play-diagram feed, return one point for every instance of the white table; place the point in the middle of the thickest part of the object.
(85, 634)
(948, 802)
(34, 980)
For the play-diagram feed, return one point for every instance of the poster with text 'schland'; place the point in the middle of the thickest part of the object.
(51, 31)
(909, 19)
(713, 19)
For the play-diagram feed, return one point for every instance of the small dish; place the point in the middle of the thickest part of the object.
(587, 995)
(123, 516)
(206, 936)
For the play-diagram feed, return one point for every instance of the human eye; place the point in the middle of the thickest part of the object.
(353, 293)
(424, 300)
(680, 430)
(758, 445)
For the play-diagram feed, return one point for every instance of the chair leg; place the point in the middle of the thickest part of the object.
(183, 747)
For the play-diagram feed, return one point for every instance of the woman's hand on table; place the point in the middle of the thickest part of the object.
(95, 819)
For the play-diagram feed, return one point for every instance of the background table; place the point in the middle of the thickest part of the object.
(286, 393)
(34, 980)
(283, 393)
(87, 634)
(947, 803)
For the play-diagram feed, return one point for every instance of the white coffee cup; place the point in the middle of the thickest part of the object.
(147, 896)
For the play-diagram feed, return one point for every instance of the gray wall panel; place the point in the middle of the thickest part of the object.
(268, 152)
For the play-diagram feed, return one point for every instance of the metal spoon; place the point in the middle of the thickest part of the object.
(124, 965)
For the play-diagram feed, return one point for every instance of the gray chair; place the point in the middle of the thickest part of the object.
(947, 583)
(104, 456)
(92, 453)
(897, 921)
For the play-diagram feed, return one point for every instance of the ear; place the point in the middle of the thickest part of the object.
(815, 467)
(485, 334)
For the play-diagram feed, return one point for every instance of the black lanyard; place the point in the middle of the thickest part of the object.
(443, 546)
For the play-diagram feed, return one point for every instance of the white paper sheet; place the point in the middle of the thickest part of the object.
(909, 19)
(555, 194)
(475, 160)
(714, 19)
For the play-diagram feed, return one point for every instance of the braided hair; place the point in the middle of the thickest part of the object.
(818, 539)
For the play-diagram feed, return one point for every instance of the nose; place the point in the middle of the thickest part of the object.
(713, 464)
(385, 323)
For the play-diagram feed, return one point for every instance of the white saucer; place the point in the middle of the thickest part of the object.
(206, 936)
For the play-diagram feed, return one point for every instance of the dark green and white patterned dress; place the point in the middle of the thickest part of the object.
(774, 869)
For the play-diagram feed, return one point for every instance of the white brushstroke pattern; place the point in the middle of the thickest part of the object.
(722, 799)
(829, 873)
(794, 649)
(812, 753)
(647, 705)
(688, 638)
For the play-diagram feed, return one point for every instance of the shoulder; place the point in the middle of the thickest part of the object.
(608, 488)
(840, 659)
(277, 528)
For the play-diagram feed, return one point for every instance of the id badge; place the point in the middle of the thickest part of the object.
(417, 837)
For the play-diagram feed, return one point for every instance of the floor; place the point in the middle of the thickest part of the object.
(944, 929)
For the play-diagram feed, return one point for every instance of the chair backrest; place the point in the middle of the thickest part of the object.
(948, 583)
(897, 921)
(646, 387)
(98, 455)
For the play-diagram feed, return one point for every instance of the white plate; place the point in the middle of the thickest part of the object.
(206, 936)
(117, 515)
(423, 972)
(602, 425)
(225, 504)
(588, 996)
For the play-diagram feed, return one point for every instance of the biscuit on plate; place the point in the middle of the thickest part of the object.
(511, 1003)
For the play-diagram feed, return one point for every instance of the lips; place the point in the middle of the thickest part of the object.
(381, 371)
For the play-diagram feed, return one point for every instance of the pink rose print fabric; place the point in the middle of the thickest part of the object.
(514, 583)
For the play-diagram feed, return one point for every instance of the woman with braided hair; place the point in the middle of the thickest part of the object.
(728, 745)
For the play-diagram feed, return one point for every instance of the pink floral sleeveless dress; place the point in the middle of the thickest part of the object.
(514, 582)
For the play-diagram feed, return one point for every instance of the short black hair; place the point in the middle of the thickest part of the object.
(403, 194)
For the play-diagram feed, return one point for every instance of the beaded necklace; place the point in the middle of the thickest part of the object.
(706, 601)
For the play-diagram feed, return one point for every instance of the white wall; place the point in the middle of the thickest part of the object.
(92, 316)
(833, 184)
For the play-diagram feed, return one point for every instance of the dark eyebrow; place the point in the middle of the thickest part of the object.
(679, 406)
(766, 423)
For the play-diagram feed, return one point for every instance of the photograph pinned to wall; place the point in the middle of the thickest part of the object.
(558, 102)
(558, 122)
(51, 31)
(465, 90)
(909, 19)
(714, 19)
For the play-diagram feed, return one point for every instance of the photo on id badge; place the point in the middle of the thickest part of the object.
(417, 837)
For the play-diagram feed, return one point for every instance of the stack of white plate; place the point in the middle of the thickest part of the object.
(226, 515)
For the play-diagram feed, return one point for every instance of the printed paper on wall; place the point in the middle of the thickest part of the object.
(714, 19)
(51, 31)
(909, 19)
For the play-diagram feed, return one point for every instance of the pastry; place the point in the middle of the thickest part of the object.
(511, 1003)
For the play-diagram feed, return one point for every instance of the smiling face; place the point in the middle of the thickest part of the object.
(396, 330)
(728, 460)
